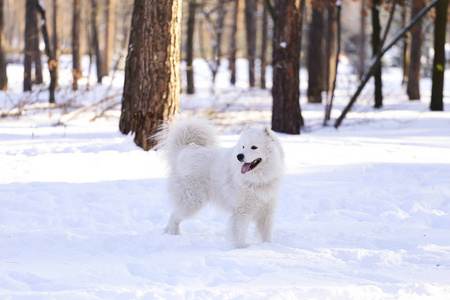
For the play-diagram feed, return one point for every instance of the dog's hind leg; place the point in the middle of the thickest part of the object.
(187, 208)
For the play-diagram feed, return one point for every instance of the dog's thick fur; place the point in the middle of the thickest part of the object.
(232, 178)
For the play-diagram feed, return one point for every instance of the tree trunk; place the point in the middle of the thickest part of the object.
(376, 29)
(55, 37)
(110, 19)
(286, 114)
(48, 50)
(76, 59)
(264, 48)
(362, 41)
(250, 25)
(315, 49)
(30, 36)
(437, 103)
(405, 51)
(413, 88)
(190, 47)
(38, 78)
(330, 42)
(152, 79)
(95, 41)
(3, 75)
(233, 47)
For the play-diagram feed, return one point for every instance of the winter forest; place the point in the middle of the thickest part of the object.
(357, 92)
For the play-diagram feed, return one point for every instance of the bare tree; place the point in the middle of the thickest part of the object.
(286, 114)
(412, 88)
(264, 47)
(76, 59)
(30, 21)
(233, 44)
(190, 47)
(437, 103)
(376, 43)
(55, 36)
(95, 41)
(315, 50)
(250, 25)
(152, 75)
(110, 18)
(3, 75)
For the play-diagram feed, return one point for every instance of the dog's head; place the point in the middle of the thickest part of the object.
(259, 152)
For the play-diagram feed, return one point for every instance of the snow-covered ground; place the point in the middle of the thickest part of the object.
(364, 211)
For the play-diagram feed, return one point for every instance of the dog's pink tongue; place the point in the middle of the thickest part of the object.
(245, 168)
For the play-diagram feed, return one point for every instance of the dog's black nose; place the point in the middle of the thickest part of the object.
(240, 157)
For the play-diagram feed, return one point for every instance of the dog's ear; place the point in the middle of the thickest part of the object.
(269, 132)
(246, 127)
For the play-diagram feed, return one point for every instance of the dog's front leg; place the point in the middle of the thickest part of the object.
(240, 223)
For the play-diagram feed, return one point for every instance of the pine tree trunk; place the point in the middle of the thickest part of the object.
(376, 28)
(437, 103)
(152, 79)
(413, 88)
(315, 57)
(190, 47)
(233, 47)
(30, 17)
(250, 25)
(110, 19)
(95, 41)
(3, 74)
(286, 114)
(362, 41)
(76, 59)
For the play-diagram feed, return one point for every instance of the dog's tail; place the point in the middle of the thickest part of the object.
(182, 132)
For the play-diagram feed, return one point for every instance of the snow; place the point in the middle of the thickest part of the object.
(364, 211)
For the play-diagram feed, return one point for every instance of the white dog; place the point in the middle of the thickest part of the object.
(244, 180)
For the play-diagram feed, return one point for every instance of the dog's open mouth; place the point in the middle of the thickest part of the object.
(250, 166)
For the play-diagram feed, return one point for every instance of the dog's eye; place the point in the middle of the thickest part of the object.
(243, 147)
(254, 147)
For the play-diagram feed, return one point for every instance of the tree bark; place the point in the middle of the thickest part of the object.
(38, 78)
(110, 19)
(376, 29)
(315, 50)
(413, 88)
(233, 47)
(30, 36)
(437, 103)
(250, 25)
(152, 79)
(76, 59)
(95, 41)
(48, 50)
(190, 47)
(3, 74)
(55, 37)
(286, 114)
(264, 48)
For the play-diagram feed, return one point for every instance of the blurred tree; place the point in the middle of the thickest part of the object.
(95, 41)
(233, 45)
(264, 47)
(413, 88)
(3, 75)
(152, 76)
(30, 22)
(56, 37)
(110, 19)
(286, 113)
(440, 23)
(76, 59)
(376, 47)
(250, 28)
(315, 53)
(190, 47)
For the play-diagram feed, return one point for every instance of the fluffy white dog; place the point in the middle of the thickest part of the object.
(244, 180)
